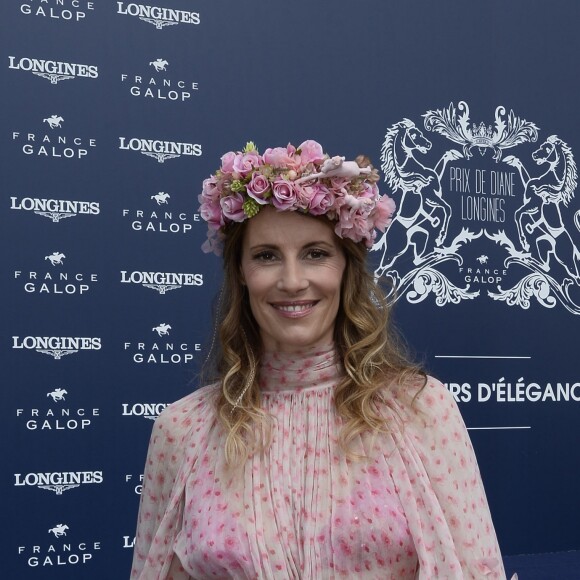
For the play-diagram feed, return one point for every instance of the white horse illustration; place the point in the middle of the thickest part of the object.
(55, 258)
(57, 395)
(423, 215)
(159, 64)
(162, 329)
(482, 259)
(539, 219)
(161, 197)
(59, 530)
(53, 121)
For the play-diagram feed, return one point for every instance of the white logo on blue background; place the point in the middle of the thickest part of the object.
(59, 530)
(455, 210)
(57, 395)
(54, 121)
(55, 258)
(159, 64)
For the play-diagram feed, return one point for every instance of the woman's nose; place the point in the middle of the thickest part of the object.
(292, 277)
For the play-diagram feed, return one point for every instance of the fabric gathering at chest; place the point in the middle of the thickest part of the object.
(300, 509)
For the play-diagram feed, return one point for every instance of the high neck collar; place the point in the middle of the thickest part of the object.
(300, 370)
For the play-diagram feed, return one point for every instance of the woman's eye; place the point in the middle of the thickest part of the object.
(264, 256)
(316, 254)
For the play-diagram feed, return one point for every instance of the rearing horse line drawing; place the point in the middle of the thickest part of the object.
(541, 210)
(422, 209)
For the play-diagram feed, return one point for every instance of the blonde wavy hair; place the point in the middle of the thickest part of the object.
(370, 350)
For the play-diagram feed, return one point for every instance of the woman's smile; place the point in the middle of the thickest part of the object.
(294, 309)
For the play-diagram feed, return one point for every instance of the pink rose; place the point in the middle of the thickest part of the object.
(284, 194)
(311, 152)
(352, 225)
(245, 162)
(383, 213)
(304, 194)
(322, 200)
(228, 162)
(258, 188)
(232, 207)
(211, 212)
(281, 157)
(211, 190)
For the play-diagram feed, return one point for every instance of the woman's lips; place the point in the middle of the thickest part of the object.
(294, 309)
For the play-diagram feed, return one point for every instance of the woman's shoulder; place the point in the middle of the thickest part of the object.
(424, 415)
(192, 412)
(420, 398)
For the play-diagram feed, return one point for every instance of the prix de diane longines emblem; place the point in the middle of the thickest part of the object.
(482, 219)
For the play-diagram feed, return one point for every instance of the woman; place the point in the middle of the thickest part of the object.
(319, 452)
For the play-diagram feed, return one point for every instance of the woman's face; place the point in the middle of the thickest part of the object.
(292, 266)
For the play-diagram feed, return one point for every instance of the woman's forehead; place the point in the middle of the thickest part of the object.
(271, 227)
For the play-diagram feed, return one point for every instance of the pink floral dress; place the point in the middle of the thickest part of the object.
(415, 509)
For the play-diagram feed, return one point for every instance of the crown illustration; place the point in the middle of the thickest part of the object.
(482, 134)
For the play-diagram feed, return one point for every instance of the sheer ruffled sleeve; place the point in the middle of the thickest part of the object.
(446, 500)
(173, 449)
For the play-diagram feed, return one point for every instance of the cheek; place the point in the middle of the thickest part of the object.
(339, 275)
(340, 285)
(257, 283)
(254, 295)
(331, 287)
(338, 289)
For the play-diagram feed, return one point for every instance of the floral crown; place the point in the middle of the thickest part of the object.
(302, 179)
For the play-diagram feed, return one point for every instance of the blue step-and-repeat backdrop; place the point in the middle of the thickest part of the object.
(113, 112)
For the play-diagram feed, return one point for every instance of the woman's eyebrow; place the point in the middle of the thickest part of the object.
(319, 243)
(263, 247)
(273, 246)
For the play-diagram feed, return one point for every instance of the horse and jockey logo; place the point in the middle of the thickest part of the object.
(59, 530)
(55, 258)
(466, 212)
(159, 64)
(161, 197)
(57, 395)
(54, 121)
(162, 329)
